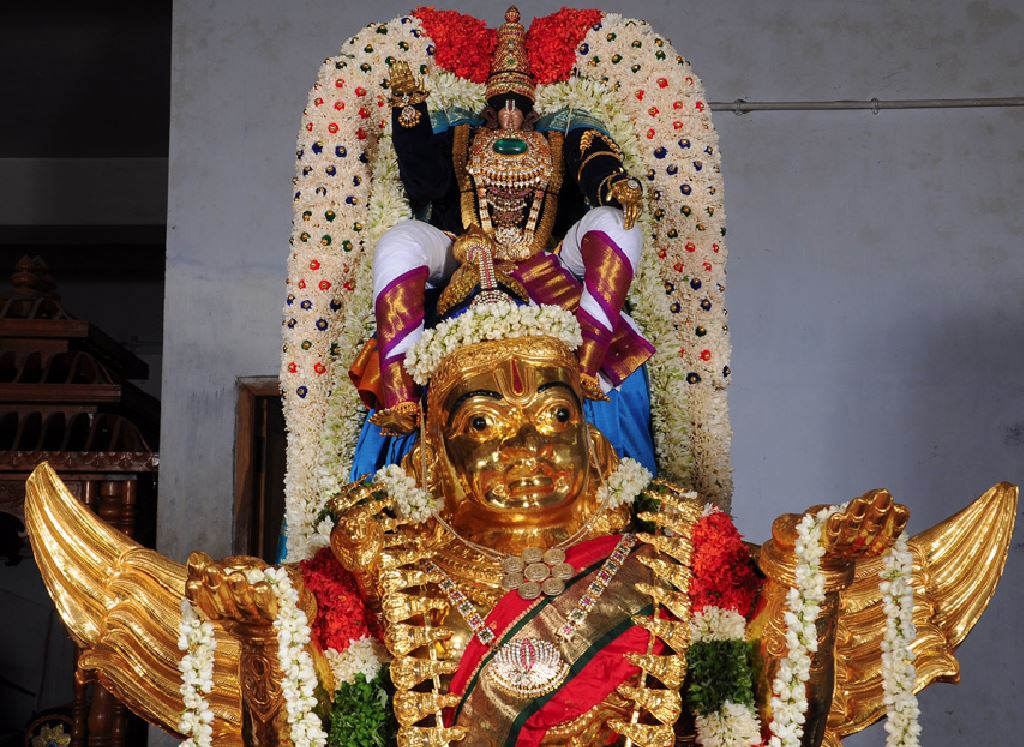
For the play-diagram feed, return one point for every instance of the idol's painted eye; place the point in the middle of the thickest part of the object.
(562, 414)
(479, 423)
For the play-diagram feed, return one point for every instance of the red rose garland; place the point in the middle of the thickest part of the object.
(465, 46)
(462, 44)
(724, 574)
(341, 614)
(552, 40)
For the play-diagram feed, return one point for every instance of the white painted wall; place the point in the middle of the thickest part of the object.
(875, 269)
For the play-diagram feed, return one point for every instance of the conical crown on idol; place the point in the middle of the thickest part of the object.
(510, 67)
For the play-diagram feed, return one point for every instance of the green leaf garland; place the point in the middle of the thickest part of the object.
(361, 715)
(719, 671)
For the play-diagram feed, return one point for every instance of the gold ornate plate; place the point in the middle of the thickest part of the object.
(527, 668)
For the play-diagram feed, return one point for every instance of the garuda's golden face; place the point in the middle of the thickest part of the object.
(516, 436)
(508, 443)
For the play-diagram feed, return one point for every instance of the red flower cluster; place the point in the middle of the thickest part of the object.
(552, 40)
(462, 44)
(724, 574)
(341, 615)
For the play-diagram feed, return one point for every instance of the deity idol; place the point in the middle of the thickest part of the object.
(525, 208)
(513, 573)
(528, 587)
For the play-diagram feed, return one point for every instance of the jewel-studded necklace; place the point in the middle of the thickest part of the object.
(555, 568)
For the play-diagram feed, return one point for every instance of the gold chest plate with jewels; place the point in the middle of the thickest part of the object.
(510, 160)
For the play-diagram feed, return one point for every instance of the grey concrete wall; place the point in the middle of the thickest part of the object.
(875, 269)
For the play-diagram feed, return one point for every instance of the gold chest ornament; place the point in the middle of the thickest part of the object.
(512, 174)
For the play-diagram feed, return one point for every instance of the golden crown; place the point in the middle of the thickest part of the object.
(510, 67)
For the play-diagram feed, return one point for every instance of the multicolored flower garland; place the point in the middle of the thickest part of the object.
(722, 590)
(654, 107)
(342, 151)
(347, 633)
(683, 267)
(898, 673)
(197, 639)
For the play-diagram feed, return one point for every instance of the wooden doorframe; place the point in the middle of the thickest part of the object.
(250, 389)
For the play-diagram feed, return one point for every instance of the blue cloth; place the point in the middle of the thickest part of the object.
(625, 419)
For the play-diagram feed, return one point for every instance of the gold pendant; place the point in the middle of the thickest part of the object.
(527, 668)
(537, 571)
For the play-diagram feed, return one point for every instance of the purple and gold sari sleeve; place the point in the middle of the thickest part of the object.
(616, 352)
(611, 343)
(399, 313)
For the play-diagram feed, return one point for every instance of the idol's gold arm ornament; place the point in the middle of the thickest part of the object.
(406, 92)
(121, 603)
(247, 609)
(630, 194)
(957, 565)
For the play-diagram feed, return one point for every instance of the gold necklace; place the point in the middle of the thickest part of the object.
(534, 570)
(485, 633)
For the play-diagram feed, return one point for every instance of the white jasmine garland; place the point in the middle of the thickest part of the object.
(733, 725)
(624, 484)
(363, 656)
(197, 639)
(293, 636)
(717, 624)
(493, 321)
(803, 605)
(411, 501)
(898, 673)
(448, 91)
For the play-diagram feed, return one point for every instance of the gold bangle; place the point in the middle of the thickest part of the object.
(608, 188)
(579, 171)
(409, 116)
(588, 139)
(398, 100)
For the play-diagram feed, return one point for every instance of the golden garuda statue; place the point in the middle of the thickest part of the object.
(511, 572)
(513, 582)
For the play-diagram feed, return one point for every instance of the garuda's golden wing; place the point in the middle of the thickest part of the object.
(957, 565)
(121, 604)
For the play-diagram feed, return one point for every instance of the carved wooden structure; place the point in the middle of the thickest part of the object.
(66, 398)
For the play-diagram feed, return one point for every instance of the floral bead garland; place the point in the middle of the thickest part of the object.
(197, 639)
(497, 321)
(803, 605)
(339, 210)
(300, 680)
(898, 672)
(622, 486)
(722, 590)
(411, 501)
